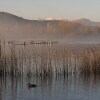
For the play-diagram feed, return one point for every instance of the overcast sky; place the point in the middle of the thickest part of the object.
(68, 9)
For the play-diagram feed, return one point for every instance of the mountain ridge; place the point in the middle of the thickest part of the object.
(15, 27)
(88, 22)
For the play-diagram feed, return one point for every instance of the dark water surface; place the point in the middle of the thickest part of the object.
(52, 88)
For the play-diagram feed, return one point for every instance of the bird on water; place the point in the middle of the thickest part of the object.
(31, 85)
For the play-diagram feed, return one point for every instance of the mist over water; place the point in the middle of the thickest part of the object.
(61, 57)
(13, 27)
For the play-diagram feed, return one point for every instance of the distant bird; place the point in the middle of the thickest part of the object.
(31, 85)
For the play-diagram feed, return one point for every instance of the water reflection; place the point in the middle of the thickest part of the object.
(50, 88)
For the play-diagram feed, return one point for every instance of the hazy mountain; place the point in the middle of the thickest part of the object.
(88, 22)
(14, 27)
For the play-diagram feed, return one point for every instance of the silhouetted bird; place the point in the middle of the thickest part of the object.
(31, 85)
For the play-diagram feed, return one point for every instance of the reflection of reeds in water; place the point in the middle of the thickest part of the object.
(48, 60)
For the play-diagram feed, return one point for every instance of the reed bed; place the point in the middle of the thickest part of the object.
(47, 61)
(90, 61)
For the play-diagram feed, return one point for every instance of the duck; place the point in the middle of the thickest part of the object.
(31, 85)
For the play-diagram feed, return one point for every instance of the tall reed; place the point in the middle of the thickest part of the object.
(48, 60)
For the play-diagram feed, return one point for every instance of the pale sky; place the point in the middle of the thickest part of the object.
(67, 9)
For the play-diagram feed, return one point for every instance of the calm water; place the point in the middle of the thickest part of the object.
(59, 88)
(73, 87)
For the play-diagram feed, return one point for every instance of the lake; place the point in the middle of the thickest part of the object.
(61, 72)
(52, 88)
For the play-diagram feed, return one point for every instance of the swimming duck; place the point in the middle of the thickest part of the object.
(31, 85)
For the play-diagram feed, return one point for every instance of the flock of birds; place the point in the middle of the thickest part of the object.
(32, 42)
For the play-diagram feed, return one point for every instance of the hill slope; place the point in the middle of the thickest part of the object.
(14, 27)
(88, 22)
